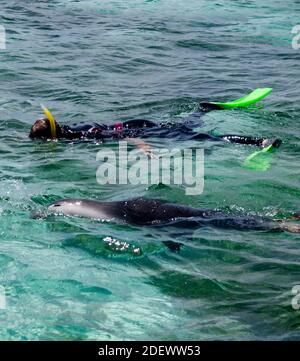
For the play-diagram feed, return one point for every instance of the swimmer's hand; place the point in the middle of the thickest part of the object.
(146, 148)
(290, 227)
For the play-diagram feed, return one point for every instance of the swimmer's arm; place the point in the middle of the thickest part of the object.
(140, 144)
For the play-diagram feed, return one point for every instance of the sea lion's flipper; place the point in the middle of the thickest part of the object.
(173, 246)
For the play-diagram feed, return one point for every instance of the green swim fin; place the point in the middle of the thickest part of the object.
(259, 160)
(246, 100)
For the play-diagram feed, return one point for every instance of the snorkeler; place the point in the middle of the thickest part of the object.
(134, 130)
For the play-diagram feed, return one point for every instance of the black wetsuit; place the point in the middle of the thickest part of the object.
(141, 128)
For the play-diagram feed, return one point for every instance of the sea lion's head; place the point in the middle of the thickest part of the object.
(80, 207)
(67, 207)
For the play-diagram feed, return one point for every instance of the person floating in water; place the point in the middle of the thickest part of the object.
(136, 129)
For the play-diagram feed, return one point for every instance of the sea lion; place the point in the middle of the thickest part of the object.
(140, 211)
(143, 211)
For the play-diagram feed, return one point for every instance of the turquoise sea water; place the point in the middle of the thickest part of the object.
(107, 61)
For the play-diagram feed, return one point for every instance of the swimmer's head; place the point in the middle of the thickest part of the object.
(41, 129)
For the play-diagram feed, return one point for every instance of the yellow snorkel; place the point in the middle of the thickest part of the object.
(51, 119)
